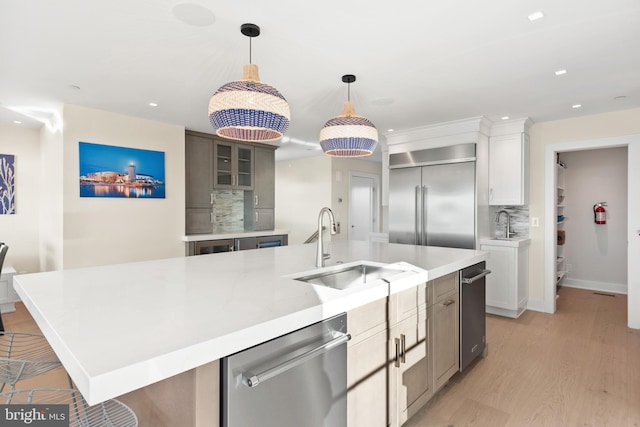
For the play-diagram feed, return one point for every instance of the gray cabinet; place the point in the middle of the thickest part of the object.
(199, 183)
(264, 190)
(213, 164)
(259, 204)
(232, 166)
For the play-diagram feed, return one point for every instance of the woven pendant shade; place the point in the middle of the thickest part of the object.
(247, 109)
(348, 135)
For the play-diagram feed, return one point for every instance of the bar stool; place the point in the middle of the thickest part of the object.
(111, 413)
(24, 355)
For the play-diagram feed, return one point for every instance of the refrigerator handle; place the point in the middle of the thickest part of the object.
(425, 190)
(417, 230)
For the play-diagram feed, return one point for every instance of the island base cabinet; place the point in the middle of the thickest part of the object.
(367, 382)
(409, 371)
(446, 334)
(367, 362)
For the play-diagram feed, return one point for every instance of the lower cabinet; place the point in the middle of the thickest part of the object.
(403, 349)
(8, 295)
(367, 364)
(508, 283)
(446, 332)
(410, 384)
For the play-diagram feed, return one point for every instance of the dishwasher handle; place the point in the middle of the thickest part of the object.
(468, 280)
(253, 380)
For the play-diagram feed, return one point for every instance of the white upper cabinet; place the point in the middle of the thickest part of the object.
(509, 170)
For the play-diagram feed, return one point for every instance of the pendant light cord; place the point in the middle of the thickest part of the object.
(250, 49)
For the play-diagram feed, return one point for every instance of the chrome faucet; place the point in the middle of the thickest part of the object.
(507, 232)
(320, 255)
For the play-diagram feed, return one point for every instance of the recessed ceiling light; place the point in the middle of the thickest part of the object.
(561, 72)
(536, 15)
(505, 117)
(390, 130)
(18, 122)
(153, 104)
(576, 106)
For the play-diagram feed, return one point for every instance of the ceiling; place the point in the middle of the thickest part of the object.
(416, 62)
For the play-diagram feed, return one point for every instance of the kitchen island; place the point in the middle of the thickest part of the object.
(123, 327)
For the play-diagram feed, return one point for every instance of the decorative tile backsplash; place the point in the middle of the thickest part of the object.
(228, 210)
(519, 221)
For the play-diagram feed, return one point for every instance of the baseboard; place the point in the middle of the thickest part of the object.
(536, 305)
(614, 288)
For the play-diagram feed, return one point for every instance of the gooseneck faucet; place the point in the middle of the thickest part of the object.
(507, 232)
(320, 255)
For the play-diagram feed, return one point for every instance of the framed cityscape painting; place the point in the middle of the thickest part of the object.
(110, 171)
(7, 184)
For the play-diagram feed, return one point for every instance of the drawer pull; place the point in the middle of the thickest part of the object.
(403, 348)
(448, 303)
(396, 362)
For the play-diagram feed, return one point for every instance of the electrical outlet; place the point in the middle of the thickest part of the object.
(535, 221)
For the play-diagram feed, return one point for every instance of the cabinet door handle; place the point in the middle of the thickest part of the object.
(256, 199)
(403, 348)
(211, 198)
(211, 217)
(257, 217)
(396, 362)
(448, 303)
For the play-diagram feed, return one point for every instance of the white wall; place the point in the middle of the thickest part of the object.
(303, 187)
(51, 207)
(100, 231)
(597, 253)
(20, 231)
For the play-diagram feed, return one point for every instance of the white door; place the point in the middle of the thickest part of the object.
(361, 207)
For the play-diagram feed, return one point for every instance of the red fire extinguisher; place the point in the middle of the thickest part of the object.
(600, 213)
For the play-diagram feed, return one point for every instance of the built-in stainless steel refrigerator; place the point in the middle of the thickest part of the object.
(432, 197)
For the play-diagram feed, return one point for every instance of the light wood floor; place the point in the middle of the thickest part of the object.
(578, 367)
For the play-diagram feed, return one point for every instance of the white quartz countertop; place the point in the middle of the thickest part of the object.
(232, 234)
(120, 327)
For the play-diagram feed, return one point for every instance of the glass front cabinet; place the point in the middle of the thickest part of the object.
(233, 166)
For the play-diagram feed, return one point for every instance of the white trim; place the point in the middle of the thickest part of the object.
(615, 288)
(549, 203)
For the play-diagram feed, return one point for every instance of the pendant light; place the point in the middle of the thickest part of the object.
(247, 109)
(348, 135)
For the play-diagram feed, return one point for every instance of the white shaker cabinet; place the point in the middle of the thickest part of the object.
(507, 289)
(509, 170)
(8, 295)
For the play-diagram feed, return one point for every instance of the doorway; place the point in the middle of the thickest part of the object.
(550, 238)
(363, 205)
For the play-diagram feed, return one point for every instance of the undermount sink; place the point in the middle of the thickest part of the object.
(348, 276)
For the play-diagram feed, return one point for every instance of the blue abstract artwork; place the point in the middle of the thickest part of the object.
(110, 171)
(7, 184)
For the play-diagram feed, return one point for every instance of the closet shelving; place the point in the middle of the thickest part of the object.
(560, 260)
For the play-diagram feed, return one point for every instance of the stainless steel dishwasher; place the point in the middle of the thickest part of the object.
(472, 313)
(299, 379)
